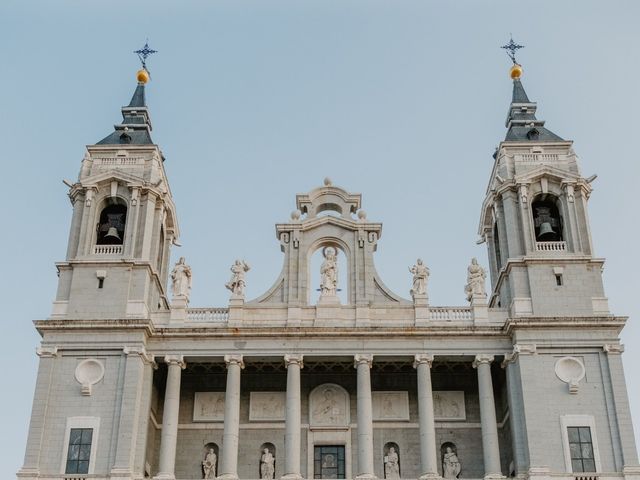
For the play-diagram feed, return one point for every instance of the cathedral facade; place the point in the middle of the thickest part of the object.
(525, 380)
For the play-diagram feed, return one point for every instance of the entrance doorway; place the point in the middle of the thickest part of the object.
(328, 461)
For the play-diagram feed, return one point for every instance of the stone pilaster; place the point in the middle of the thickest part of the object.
(362, 363)
(169, 435)
(428, 457)
(230, 437)
(489, 424)
(292, 418)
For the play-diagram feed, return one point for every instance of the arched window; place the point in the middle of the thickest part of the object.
(210, 461)
(450, 462)
(546, 219)
(111, 225)
(267, 464)
(391, 460)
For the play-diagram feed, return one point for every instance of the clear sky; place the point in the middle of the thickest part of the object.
(255, 101)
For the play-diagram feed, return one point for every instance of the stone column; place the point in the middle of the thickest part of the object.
(229, 464)
(362, 363)
(169, 434)
(46, 369)
(490, 449)
(292, 421)
(428, 456)
(136, 359)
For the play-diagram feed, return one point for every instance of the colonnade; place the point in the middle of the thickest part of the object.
(365, 465)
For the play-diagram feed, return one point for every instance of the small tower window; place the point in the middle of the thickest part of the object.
(111, 225)
(547, 221)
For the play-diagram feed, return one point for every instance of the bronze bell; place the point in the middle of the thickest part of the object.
(547, 233)
(112, 236)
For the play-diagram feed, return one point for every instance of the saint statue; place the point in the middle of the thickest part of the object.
(181, 279)
(450, 464)
(475, 280)
(267, 465)
(209, 464)
(391, 464)
(420, 278)
(237, 282)
(329, 272)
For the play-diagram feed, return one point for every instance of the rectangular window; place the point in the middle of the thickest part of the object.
(328, 461)
(581, 448)
(79, 451)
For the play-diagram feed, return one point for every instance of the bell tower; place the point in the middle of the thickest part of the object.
(122, 227)
(535, 223)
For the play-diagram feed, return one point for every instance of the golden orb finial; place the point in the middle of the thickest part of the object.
(142, 76)
(516, 71)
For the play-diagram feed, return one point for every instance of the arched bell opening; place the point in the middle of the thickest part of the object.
(547, 220)
(328, 275)
(112, 222)
(329, 209)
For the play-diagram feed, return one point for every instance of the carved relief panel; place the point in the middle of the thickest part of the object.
(208, 407)
(266, 406)
(329, 406)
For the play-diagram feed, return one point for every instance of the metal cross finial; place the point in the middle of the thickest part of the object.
(511, 49)
(143, 53)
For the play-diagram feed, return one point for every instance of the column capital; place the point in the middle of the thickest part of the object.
(421, 358)
(482, 359)
(234, 360)
(175, 360)
(361, 359)
(613, 348)
(47, 352)
(293, 359)
(142, 353)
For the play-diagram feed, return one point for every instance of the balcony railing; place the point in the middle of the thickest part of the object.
(448, 314)
(551, 246)
(108, 249)
(208, 315)
(538, 157)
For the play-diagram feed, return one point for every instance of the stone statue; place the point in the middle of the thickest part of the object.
(267, 465)
(420, 278)
(475, 280)
(237, 282)
(181, 279)
(391, 464)
(450, 464)
(209, 464)
(329, 272)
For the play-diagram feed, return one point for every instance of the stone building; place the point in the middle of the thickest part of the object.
(525, 381)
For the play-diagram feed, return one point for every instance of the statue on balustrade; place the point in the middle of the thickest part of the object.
(209, 465)
(267, 465)
(237, 283)
(450, 463)
(329, 272)
(181, 279)
(391, 464)
(420, 278)
(475, 280)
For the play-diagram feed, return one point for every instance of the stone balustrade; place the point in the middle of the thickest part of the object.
(208, 315)
(551, 246)
(108, 249)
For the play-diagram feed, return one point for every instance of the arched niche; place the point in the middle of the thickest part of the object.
(329, 406)
(319, 273)
(451, 466)
(547, 220)
(210, 458)
(391, 461)
(267, 463)
(111, 222)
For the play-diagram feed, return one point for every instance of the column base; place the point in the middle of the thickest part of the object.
(227, 476)
(631, 472)
(121, 473)
(366, 476)
(429, 476)
(28, 473)
(494, 476)
(165, 476)
(291, 476)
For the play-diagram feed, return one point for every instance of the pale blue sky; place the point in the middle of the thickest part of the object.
(255, 101)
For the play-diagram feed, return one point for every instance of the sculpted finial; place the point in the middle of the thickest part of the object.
(420, 277)
(327, 182)
(475, 280)
(181, 279)
(237, 283)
